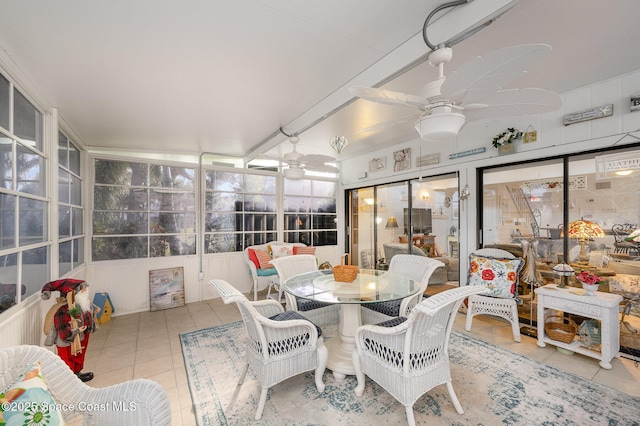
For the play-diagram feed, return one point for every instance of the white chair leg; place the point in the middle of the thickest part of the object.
(243, 374)
(515, 325)
(255, 290)
(263, 399)
(410, 418)
(323, 356)
(359, 390)
(467, 324)
(454, 398)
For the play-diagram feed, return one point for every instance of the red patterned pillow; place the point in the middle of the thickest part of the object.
(304, 250)
(253, 257)
(264, 259)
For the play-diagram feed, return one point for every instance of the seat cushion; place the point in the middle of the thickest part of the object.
(309, 305)
(293, 315)
(391, 308)
(266, 272)
(392, 322)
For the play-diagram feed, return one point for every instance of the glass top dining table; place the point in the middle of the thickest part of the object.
(370, 286)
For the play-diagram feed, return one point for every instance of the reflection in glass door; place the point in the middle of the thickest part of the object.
(417, 217)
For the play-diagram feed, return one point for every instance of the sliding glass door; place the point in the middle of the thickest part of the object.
(418, 217)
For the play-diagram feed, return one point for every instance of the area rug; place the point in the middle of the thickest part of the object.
(494, 385)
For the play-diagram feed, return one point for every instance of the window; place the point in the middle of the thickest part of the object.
(310, 212)
(240, 210)
(24, 236)
(143, 210)
(70, 210)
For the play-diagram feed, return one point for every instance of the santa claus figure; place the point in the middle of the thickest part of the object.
(69, 322)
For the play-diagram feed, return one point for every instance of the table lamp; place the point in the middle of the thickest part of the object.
(392, 224)
(564, 271)
(584, 230)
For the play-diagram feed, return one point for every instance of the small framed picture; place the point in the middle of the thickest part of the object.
(402, 160)
(377, 164)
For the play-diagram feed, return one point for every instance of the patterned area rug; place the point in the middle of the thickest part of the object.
(494, 385)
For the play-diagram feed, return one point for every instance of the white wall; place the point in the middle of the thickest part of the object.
(127, 281)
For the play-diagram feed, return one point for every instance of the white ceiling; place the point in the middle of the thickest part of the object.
(223, 75)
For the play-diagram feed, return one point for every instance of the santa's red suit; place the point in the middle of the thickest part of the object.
(70, 335)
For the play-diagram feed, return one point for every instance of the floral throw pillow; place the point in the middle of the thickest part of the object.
(28, 401)
(281, 250)
(500, 276)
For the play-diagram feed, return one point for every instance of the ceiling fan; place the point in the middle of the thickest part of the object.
(297, 163)
(474, 91)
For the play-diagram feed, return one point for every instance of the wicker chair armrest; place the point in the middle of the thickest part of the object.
(275, 331)
(408, 303)
(461, 292)
(268, 308)
(138, 401)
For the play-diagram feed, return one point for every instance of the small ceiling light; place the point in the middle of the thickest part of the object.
(624, 172)
(338, 143)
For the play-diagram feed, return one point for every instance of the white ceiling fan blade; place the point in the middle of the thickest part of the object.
(292, 157)
(514, 102)
(389, 97)
(491, 72)
(319, 163)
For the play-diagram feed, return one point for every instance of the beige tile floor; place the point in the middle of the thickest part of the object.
(147, 345)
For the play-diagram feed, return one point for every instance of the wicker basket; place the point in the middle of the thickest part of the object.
(562, 329)
(345, 273)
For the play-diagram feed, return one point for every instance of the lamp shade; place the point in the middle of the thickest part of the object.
(585, 230)
(392, 223)
(563, 270)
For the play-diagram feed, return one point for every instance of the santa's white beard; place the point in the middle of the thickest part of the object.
(82, 299)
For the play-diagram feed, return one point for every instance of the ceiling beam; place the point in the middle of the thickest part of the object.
(451, 25)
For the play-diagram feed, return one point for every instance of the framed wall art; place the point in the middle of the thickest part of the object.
(166, 288)
(402, 160)
(377, 164)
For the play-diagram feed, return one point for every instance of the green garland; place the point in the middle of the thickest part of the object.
(508, 136)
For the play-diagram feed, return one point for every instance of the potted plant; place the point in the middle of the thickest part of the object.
(590, 282)
(504, 141)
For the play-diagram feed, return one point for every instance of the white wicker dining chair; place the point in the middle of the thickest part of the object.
(279, 344)
(494, 306)
(419, 269)
(412, 357)
(152, 406)
(322, 314)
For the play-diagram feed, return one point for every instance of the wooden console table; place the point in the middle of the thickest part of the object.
(604, 307)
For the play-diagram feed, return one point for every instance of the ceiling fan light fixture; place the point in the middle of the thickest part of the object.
(293, 173)
(440, 126)
(338, 143)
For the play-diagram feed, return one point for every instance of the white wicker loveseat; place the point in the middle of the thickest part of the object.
(263, 278)
(135, 402)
